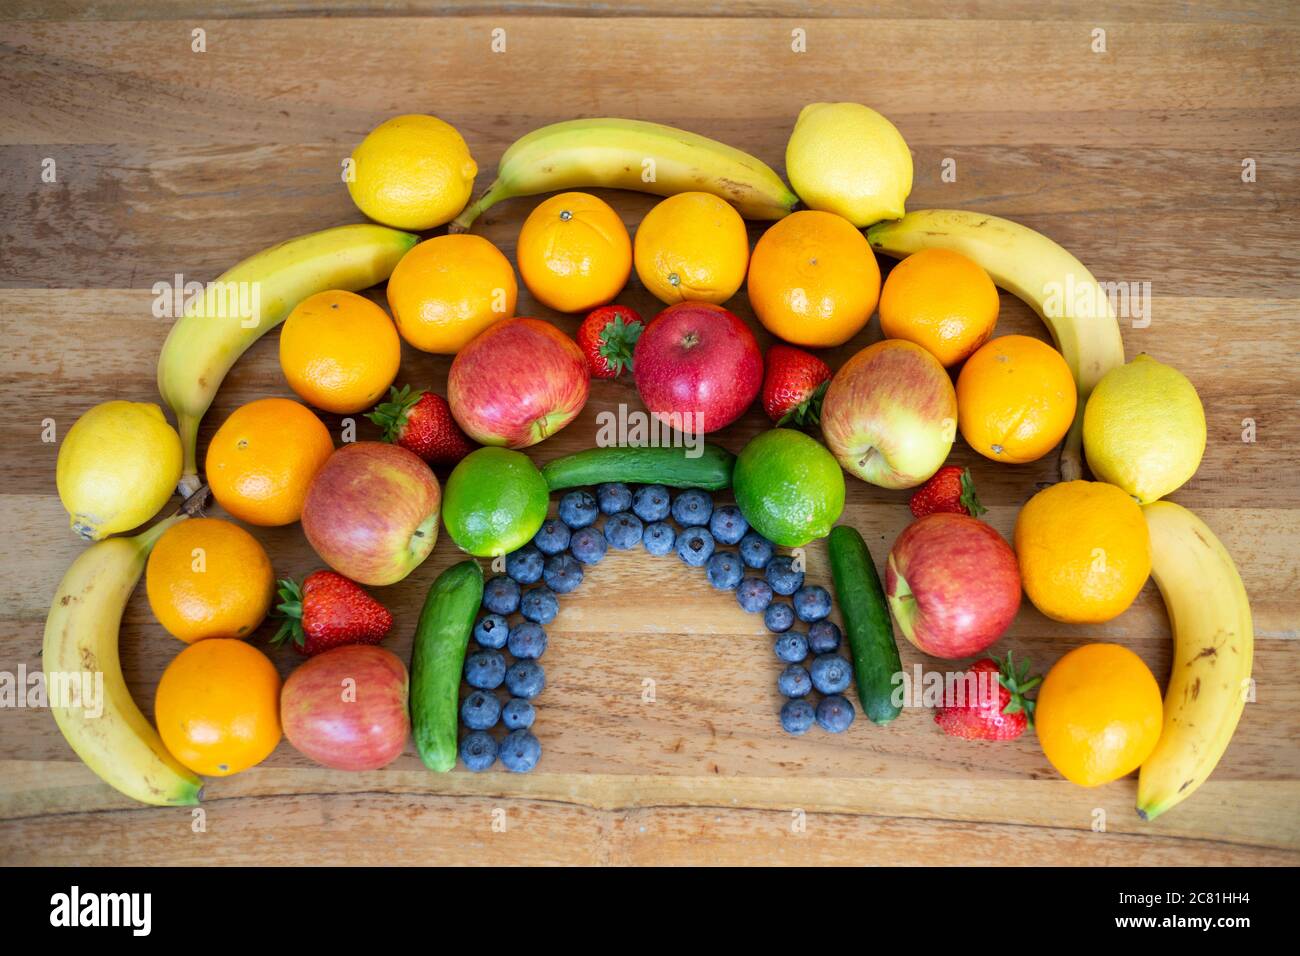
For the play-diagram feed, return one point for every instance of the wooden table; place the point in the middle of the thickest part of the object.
(172, 161)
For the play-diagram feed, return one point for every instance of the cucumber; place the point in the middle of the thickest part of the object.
(866, 623)
(438, 658)
(711, 470)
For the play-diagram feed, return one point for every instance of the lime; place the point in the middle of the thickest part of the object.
(495, 501)
(789, 487)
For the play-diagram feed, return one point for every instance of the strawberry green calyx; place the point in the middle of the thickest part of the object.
(391, 415)
(1018, 683)
(809, 411)
(617, 342)
(289, 608)
(970, 501)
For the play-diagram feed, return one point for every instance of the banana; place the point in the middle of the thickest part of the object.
(103, 724)
(250, 299)
(616, 153)
(1214, 643)
(1034, 268)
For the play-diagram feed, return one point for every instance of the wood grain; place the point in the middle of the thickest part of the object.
(170, 161)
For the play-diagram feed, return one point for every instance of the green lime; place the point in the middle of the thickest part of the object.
(495, 501)
(789, 487)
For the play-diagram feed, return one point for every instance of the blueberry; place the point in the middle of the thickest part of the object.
(539, 605)
(562, 573)
(754, 594)
(780, 573)
(578, 509)
(659, 538)
(823, 637)
(552, 537)
(692, 508)
(491, 631)
(791, 647)
(485, 670)
(651, 503)
(755, 550)
(695, 546)
(623, 531)
(525, 679)
(480, 710)
(812, 603)
(794, 681)
(724, 570)
(520, 751)
(831, 674)
(797, 717)
(478, 750)
(501, 595)
(525, 565)
(613, 497)
(587, 545)
(835, 714)
(779, 617)
(518, 714)
(728, 525)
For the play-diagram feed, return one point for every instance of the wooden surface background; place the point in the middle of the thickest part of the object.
(171, 161)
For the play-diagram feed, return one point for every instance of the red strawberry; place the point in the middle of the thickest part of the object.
(985, 719)
(329, 611)
(793, 386)
(951, 490)
(421, 422)
(607, 337)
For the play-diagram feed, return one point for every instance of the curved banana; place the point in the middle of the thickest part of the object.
(616, 153)
(1214, 642)
(1036, 269)
(83, 677)
(254, 297)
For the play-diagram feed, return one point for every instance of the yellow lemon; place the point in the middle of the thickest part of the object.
(692, 246)
(412, 172)
(117, 467)
(1144, 429)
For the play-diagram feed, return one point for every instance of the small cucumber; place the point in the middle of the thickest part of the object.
(710, 470)
(438, 658)
(866, 623)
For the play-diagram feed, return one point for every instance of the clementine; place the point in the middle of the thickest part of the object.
(574, 252)
(339, 351)
(942, 301)
(692, 246)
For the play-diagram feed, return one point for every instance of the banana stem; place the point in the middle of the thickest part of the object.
(190, 507)
(1072, 450)
(495, 193)
(188, 427)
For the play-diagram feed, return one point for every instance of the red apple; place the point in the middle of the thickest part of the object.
(347, 708)
(696, 358)
(519, 382)
(890, 414)
(953, 585)
(372, 512)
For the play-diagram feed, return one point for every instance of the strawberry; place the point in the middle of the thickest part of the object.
(607, 337)
(950, 490)
(421, 422)
(328, 611)
(794, 385)
(982, 718)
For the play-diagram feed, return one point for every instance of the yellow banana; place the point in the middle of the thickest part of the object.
(83, 677)
(254, 297)
(1214, 643)
(1036, 269)
(632, 154)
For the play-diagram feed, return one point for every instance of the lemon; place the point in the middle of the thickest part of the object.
(692, 246)
(1144, 429)
(117, 467)
(847, 159)
(412, 172)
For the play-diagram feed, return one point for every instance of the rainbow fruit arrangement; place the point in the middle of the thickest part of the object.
(889, 415)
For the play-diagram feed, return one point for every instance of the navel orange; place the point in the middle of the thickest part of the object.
(339, 351)
(942, 301)
(1015, 399)
(574, 252)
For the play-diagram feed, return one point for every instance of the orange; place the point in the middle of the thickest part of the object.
(448, 289)
(209, 578)
(1084, 551)
(1015, 399)
(813, 279)
(218, 707)
(1098, 714)
(339, 351)
(692, 246)
(942, 301)
(574, 252)
(262, 459)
